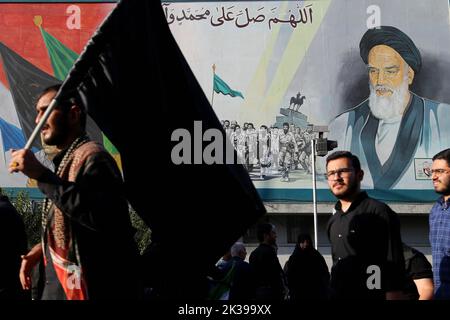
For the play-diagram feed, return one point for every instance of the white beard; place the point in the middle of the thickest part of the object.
(391, 107)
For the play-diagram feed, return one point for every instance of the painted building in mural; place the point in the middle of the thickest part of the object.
(272, 71)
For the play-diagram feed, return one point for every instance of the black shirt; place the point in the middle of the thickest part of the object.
(13, 244)
(367, 234)
(417, 267)
(268, 273)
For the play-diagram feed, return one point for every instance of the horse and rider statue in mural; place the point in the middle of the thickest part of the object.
(296, 102)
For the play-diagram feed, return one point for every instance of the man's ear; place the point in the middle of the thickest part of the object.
(75, 113)
(410, 75)
(360, 175)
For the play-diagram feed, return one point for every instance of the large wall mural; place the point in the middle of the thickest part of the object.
(375, 73)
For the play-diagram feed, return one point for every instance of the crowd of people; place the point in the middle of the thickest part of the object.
(369, 259)
(86, 225)
(274, 150)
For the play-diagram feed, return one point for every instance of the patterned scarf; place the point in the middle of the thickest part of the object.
(62, 246)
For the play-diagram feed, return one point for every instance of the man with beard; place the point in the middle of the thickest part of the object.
(440, 225)
(87, 243)
(269, 277)
(393, 126)
(366, 245)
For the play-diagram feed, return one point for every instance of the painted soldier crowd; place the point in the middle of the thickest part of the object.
(271, 151)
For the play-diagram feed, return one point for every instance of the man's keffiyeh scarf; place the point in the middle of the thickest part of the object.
(62, 246)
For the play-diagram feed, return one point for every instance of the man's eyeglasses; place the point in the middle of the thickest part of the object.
(344, 172)
(439, 172)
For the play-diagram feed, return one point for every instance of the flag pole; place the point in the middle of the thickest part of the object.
(38, 22)
(313, 165)
(214, 73)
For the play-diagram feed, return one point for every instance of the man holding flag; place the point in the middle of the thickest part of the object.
(105, 81)
(85, 216)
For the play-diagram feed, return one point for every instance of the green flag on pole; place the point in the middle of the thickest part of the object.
(62, 59)
(220, 86)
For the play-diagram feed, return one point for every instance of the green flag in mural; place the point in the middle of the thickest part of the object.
(220, 86)
(62, 59)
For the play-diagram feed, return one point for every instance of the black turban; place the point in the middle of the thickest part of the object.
(394, 38)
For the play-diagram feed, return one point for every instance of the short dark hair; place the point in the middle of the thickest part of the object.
(262, 229)
(302, 237)
(263, 126)
(65, 105)
(345, 154)
(52, 88)
(286, 124)
(443, 155)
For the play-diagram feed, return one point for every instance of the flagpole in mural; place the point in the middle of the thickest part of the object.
(214, 84)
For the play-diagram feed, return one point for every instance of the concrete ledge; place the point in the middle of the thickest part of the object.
(326, 208)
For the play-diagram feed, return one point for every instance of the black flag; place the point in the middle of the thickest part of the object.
(138, 87)
(26, 82)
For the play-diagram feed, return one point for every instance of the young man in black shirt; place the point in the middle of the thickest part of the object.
(365, 237)
(269, 276)
(419, 275)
